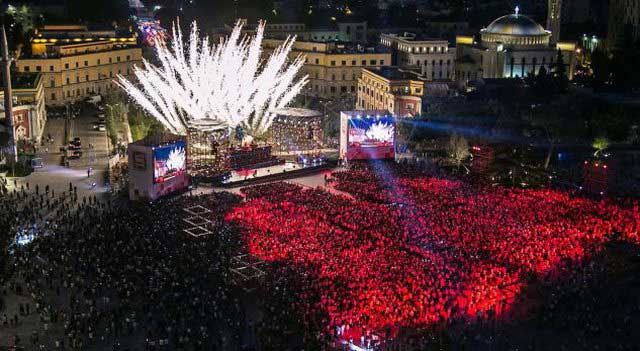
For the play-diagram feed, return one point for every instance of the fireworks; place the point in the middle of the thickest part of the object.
(382, 132)
(210, 87)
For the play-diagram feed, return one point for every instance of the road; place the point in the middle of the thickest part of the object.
(55, 174)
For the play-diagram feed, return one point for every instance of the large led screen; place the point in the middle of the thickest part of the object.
(370, 138)
(169, 161)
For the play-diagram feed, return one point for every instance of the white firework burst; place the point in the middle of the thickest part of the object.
(177, 159)
(207, 86)
(382, 132)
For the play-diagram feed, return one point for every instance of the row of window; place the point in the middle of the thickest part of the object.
(38, 68)
(80, 92)
(433, 62)
(355, 63)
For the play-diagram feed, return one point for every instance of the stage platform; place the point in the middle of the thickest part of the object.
(283, 171)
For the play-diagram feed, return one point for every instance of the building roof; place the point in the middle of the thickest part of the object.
(395, 73)
(515, 24)
(22, 80)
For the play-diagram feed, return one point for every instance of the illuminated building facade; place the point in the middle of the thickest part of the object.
(511, 46)
(334, 67)
(391, 88)
(433, 58)
(75, 62)
(623, 13)
(29, 113)
(554, 10)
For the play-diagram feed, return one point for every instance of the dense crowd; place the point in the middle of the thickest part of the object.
(116, 277)
(401, 249)
(419, 251)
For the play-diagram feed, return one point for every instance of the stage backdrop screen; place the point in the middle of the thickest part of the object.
(370, 138)
(169, 161)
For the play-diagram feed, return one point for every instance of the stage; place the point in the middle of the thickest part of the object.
(277, 172)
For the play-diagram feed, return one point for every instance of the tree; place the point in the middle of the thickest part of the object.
(601, 67)
(458, 149)
(561, 79)
(548, 120)
(600, 144)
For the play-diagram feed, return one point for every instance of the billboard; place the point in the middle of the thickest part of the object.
(370, 138)
(169, 161)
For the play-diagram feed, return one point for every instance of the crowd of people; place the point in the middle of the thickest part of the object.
(420, 251)
(401, 250)
(114, 277)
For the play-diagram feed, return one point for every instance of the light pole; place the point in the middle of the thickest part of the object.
(8, 95)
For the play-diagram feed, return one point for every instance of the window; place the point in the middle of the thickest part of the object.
(51, 68)
(66, 66)
(27, 69)
(353, 63)
(77, 64)
(353, 88)
(98, 61)
(333, 89)
(110, 59)
(67, 80)
(343, 89)
(128, 58)
(77, 79)
(381, 62)
(333, 77)
(317, 62)
(86, 78)
(373, 62)
(344, 63)
(53, 96)
(52, 83)
(118, 58)
(364, 62)
(86, 63)
(333, 63)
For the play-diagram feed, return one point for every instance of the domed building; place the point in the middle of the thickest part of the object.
(511, 46)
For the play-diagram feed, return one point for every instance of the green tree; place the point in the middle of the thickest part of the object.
(561, 79)
(600, 144)
(458, 149)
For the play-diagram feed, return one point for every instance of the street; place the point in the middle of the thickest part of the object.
(95, 155)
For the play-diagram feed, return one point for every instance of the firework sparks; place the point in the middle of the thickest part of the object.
(208, 86)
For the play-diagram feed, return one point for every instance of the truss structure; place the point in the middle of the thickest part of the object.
(197, 225)
(246, 268)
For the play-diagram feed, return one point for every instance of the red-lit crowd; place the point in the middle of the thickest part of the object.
(415, 251)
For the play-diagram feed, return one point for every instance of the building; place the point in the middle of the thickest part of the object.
(334, 67)
(433, 58)
(75, 62)
(29, 113)
(354, 32)
(623, 13)
(554, 10)
(391, 88)
(511, 46)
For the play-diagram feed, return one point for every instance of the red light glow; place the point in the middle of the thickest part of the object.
(415, 252)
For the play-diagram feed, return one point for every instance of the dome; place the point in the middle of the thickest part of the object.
(515, 24)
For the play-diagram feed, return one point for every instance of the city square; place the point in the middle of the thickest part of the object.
(319, 175)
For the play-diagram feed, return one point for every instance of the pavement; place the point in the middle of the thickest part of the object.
(56, 175)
